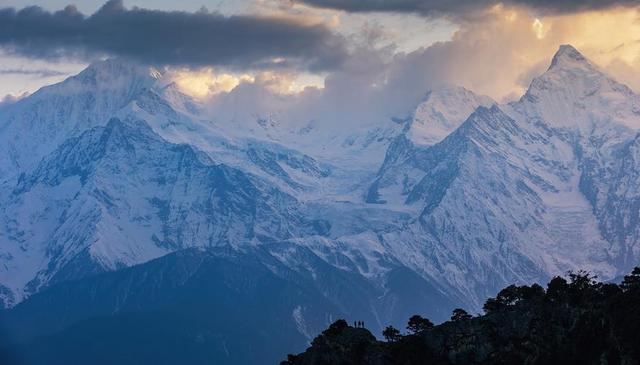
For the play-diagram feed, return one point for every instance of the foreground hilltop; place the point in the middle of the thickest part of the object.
(579, 321)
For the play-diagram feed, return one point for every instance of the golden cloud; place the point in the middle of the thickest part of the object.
(204, 82)
(496, 54)
(499, 53)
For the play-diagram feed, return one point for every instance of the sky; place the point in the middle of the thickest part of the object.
(342, 59)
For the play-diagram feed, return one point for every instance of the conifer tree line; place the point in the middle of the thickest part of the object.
(574, 320)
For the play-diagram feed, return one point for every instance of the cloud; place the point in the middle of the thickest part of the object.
(496, 55)
(500, 53)
(171, 38)
(206, 81)
(11, 99)
(42, 72)
(464, 7)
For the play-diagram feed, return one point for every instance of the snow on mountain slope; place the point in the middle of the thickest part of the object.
(523, 191)
(59, 225)
(33, 127)
(441, 112)
(575, 94)
(469, 195)
(497, 204)
(119, 195)
(610, 181)
(311, 161)
(600, 118)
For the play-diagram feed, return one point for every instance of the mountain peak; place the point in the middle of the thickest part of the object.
(568, 56)
(110, 70)
(575, 93)
(569, 70)
(441, 112)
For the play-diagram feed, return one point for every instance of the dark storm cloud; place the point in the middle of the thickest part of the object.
(175, 38)
(462, 7)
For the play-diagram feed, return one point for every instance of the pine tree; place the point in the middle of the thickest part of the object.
(419, 324)
(460, 314)
(391, 334)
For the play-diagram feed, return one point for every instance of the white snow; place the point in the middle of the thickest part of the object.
(495, 198)
(442, 112)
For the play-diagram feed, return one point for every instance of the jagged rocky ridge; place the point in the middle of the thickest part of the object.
(579, 321)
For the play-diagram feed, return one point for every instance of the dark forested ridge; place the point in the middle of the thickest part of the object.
(576, 320)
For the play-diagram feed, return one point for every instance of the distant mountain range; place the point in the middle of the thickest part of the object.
(127, 207)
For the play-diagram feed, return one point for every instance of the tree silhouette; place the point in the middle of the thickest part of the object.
(557, 289)
(631, 282)
(513, 295)
(419, 324)
(336, 328)
(460, 314)
(576, 321)
(391, 334)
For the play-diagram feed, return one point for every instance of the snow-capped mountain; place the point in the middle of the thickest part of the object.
(574, 94)
(115, 168)
(66, 172)
(441, 112)
(35, 126)
(600, 119)
(119, 195)
(527, 189)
